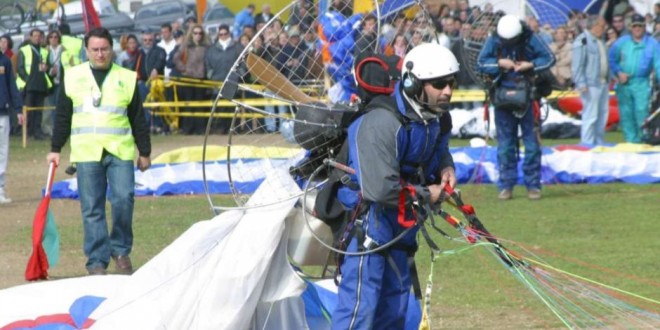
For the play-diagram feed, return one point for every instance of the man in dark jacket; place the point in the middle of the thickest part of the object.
(10, 104)
(366, 40)
(218, 61)
(292, 61)
(150, 64)
(32, 66)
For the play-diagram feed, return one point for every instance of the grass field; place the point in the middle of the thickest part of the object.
(604, 226)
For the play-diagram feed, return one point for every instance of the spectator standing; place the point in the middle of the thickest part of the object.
(57, 58)
(561, 49)
(611, 37)
(416, 39)
(511, 56)
(179, 38)
(243, 18)
(398, 46)
(366, 42)
(189, 61)
(345, 7)
(304, 14)
(533, 24)
(129, 57)
(395, 28)
(632, 58)
(590, 72)
(619, 24)
(33, 80)
(73, 46)
(264, 16)
(150, 64)
(11, 105)
(268, 51)
(103, 147)
(167, 43)
(218, 61)
(309, 37)
(6, 46)
(292, 60)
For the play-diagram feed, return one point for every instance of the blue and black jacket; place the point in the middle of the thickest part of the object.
(10, 99)
(387, 149)
(530, 48)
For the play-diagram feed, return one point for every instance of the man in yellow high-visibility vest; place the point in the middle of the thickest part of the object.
(73, 46)
(32, 66)
(99, 108)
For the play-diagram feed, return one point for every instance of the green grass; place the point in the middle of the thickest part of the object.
(610, 225)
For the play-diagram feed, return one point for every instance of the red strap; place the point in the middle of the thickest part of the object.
(403, 222)
(370, 88)
(537, 110)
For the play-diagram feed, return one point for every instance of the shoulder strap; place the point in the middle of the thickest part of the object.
(388, 103)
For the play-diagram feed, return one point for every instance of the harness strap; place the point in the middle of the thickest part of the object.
(407, 196)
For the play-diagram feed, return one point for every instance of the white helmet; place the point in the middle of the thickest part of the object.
(509, 27)
(429, 61)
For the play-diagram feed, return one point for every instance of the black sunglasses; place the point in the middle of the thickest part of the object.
(444, 82)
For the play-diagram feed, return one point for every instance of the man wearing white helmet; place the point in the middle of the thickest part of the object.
(399, 150)
(511, 58)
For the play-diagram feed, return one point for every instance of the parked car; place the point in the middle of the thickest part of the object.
(152, 16)
(215, 16)
(110, 18)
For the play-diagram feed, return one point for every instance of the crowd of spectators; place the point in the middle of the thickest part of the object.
(184, 49)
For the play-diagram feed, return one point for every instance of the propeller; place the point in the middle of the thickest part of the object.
(269, 76)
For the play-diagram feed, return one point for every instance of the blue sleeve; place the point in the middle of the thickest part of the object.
(614, 55)
(487, 60)
(541, 56)
(12, 89)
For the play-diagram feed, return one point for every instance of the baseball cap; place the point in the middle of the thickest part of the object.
(637, 19)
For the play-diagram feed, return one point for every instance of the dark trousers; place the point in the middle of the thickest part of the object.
(193, 125)
(34, 99)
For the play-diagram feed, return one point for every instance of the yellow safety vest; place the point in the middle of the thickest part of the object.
(102, 127)
(72, 47)
(67, 59)
(27, 59)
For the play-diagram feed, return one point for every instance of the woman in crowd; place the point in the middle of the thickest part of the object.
(128, 58)
(189, 61)
(55, 61)
(611, 37)
(562, 51)
(398, 46)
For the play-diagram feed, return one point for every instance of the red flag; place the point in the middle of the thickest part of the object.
(37, 267)
(90, 16)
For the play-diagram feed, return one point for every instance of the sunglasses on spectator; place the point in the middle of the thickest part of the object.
(637, 25)
(198, 33)
(443, 82)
